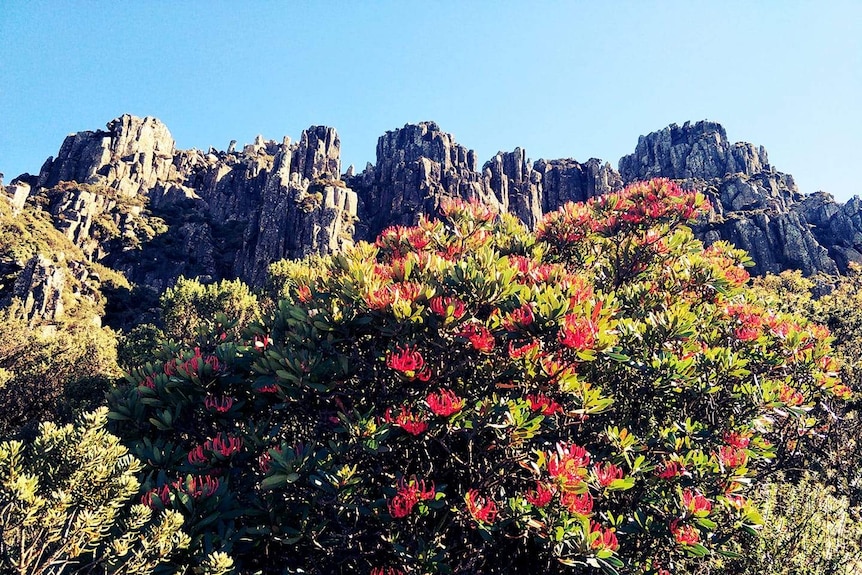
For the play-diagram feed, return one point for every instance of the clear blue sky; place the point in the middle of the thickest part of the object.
(560, 79)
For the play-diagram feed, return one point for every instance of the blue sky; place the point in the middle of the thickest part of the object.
(560, 79)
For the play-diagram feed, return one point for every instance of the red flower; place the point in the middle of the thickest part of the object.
(386, 571)
(212, 361)
(790, 396)
(581, 333)
(543, 404)
(521, 317)
(540, 496)
(444, 403)
(684, 534)
(519, 352)
(480, 338)
(171, 367)
(671, 469)
(606, 538)
(409, 363)
(223, 444)
(197, 456)
(408, 421)
(568, 465)
(738, 440)
(696, 503)
(607, 473)
(749, 322)
(380, 299)
(481, 509)
(408, 495)
(219, 404)
(262, 342)
(731, 456)
(408, 291)
(401, 505)
(447, 306)
(198, 487)
(581, 504)
(303, 294)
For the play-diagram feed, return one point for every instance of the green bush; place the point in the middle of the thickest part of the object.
(190, 307)
(467, 397)
(51, 372)
(65, 504)
(808, 529)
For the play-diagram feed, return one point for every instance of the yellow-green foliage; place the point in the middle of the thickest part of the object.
(285, 276)
(190, 306)
(49, 372)
(65, 505)
(808, 530)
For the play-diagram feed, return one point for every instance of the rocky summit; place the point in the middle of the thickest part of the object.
(131, 201)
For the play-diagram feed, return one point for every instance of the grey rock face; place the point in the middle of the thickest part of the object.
(755, 207)
(40, 286)
(231, 213)
(416, 166)
(131, 156)
(699, 150)
(419, 164)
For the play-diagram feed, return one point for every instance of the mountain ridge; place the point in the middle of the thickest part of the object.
(135, 203)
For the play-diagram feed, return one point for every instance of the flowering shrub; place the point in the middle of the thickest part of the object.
(464, 396)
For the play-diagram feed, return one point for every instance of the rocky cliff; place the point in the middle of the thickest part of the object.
(131, 201)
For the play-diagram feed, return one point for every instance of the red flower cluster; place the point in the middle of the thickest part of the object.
(606, 538)
(790, 397)
(444, 403)
(386, 571)
(194, 486)
(541, 495)
(393, 237)
(408, 495)
(519, 352)
(480, 338)
(221, 404)
(543, 404)
(749, 321)
(581, 333)
(262, 342)
(684, 534)
(409, 363)
(695, 503)
(736, 439)
(447, 306)
(521, 317)
(407, 420)
(582, 503)
(380, 299)
(670, 469)
(224, 445)
(731, 456)
(568, 465)
(475, 209)
(482, 509)
(607, 473)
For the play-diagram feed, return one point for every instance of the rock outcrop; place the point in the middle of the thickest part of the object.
(755, 207)
(129, 199)
(418, 165)
(225, 214)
